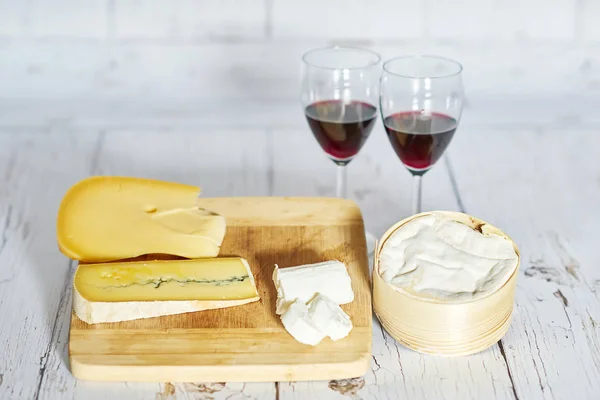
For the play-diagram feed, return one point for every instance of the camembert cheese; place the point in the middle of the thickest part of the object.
(112, 218)
(436, 257)
(113, 292)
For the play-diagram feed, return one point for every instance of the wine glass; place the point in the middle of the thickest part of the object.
(421, 101)
(339, 97)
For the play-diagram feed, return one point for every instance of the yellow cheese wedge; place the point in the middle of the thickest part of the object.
(111, 218)
(112, 292)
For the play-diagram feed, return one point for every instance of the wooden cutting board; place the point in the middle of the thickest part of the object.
(245, 343)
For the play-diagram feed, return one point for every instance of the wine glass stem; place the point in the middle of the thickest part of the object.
(341, 187)
(417, 179)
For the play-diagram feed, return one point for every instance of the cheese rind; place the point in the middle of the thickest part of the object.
(107, 218)
(105, 312)
(114, 292)
(304, 282)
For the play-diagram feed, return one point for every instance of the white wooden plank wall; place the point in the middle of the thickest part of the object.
(275, 19)
(249, 49)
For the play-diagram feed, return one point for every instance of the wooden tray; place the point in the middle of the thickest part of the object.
(244, 343)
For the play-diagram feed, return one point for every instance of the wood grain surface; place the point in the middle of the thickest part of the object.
(244, 343)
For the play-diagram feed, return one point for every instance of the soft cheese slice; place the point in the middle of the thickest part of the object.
(114, 292)
(329, 317)
(310, 323)
(298, 322)
(304, 282)
(111, 218)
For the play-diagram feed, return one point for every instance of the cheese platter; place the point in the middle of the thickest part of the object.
(171, 286)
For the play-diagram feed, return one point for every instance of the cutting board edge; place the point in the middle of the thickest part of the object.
(215, 373)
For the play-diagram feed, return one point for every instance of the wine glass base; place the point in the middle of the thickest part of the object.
(371, 242)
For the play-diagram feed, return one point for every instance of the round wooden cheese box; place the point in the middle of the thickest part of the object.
(446, 328)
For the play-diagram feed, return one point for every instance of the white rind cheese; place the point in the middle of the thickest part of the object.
(309, 298)
(298, 322)
(329, 317)
(310, 323)
(439, 258)
(95, 312)
(304, 282)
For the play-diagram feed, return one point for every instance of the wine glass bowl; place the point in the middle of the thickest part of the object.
(421, 102)
(339, 96)
(341, 128)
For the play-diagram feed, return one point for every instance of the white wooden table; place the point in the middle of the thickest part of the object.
(534, 175)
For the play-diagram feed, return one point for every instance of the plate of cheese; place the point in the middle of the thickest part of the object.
(174, 286)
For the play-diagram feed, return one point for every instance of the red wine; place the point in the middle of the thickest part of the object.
(419, 139)
(341, 128)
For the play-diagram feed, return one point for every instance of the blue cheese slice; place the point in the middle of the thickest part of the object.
(123, 291)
